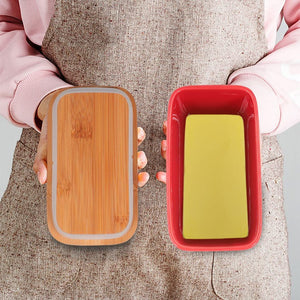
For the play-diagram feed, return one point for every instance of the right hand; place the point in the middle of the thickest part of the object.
(40, 162)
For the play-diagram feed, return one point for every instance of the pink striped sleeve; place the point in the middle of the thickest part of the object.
(275, 79)
(26, 76)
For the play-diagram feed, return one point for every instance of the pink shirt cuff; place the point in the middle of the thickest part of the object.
(28, 95)
(267, 102)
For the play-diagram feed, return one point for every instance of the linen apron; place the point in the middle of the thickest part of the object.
(149, 48)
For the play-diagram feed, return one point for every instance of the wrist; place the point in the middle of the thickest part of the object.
(42, 108)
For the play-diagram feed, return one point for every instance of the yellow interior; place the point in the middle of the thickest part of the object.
(214, 191)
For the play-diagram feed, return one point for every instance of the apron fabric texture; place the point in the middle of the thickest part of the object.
(149, 48)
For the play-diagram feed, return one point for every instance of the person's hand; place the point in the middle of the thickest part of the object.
(143, 177)
(40, 162)
(161, 176)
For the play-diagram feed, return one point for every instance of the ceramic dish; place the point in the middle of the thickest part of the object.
(220, 99)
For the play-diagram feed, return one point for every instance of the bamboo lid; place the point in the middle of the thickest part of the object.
(92, 166)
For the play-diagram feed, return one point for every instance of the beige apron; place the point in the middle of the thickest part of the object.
(150, 48)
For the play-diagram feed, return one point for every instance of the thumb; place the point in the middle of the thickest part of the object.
(40, 162)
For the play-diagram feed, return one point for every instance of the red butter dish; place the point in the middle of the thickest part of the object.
(213, 100)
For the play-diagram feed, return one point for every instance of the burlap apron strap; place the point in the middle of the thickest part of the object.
(150, 48)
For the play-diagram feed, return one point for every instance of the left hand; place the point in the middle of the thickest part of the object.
(161, 176)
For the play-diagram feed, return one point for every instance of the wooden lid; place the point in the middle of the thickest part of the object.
(92, 166)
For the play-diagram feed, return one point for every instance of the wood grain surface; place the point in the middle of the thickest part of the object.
(92, 191)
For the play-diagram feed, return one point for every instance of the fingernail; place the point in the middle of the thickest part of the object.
(143, 178)
(161, 176)
(42, 176)
(39, 177)
(141, 133)
(142, 158)
(164, 145)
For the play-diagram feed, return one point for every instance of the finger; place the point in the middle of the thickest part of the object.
(143, 177)
(40, 168)
(165, 127)
(40, 162)
(142, 160)
(141, 135)
(42, 175)
(163, 148)
(161, 176)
